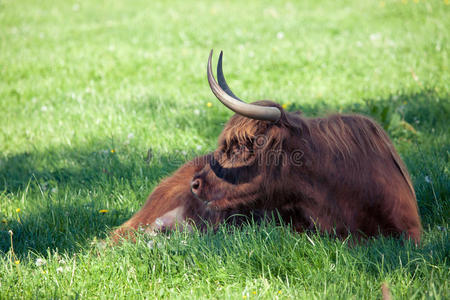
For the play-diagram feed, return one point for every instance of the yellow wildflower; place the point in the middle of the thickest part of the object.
(284, 106)
(279, 292)
(254, 292)
(404, 1)
(17, 261)
(103, 211)
(382, 4)
(113, 151)
(4, 221)
(209, 104)
(17, 210)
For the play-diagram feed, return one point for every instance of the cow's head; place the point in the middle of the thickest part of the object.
(251, 151)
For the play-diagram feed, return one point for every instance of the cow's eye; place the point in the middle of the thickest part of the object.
(234, 151)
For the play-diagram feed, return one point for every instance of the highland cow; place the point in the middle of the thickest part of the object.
(338, 173)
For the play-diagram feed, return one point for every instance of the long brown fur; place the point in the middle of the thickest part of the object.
(347, 176)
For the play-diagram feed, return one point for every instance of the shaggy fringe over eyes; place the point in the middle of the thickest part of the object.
(243, 131)
(240, 131)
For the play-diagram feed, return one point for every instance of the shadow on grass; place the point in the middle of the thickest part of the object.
(65, 189)
(90, 177)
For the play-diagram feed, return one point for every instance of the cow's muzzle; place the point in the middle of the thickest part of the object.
(196, 186)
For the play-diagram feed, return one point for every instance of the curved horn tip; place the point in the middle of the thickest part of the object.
(247, 110)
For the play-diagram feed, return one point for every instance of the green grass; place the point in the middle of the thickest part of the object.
(79, 79)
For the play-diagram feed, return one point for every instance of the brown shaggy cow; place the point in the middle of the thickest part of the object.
(339, 173)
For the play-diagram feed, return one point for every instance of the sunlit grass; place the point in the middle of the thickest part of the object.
(100, 101)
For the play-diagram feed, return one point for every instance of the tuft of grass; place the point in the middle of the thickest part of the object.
(99, 102)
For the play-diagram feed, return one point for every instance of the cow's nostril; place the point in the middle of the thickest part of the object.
(195, 185)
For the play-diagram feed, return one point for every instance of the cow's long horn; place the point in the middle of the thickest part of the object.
(221, 79)
(252, 111)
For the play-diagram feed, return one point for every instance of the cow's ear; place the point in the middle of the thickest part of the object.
(293, 121)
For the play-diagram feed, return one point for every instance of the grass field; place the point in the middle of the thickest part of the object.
(88, 88)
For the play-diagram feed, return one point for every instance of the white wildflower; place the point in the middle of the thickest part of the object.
(59, 269)
(39, 262)
(44, 108)
(54, 190)
(428, 179)
(130, 135)
(280, 35)
(196, 112)
(199, 147)
(150, 232)
(151, 244)
(159, 222)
